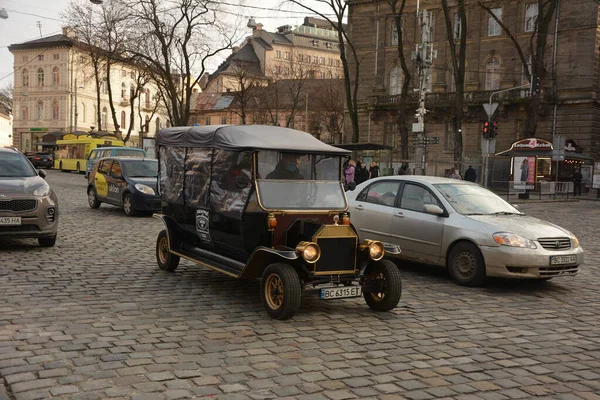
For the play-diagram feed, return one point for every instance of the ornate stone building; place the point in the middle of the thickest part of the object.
(492, 64)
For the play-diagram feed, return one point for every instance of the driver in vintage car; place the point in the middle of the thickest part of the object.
(287, 168)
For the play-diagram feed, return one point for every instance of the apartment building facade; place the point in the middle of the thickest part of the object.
(307, 51)
(492, 64)
(55, 92)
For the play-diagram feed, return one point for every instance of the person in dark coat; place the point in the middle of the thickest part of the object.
(373, 170)
(403, 170)
(470, 174)
(577, 178)
(362, 174)
(287, 168)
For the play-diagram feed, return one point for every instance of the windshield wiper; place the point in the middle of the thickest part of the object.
(506, 213)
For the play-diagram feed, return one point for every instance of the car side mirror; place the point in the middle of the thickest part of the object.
(42, 173)
(433, 209)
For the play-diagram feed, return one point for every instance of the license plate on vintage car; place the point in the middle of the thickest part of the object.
(559, 260)
(10, 221)
(340, 292)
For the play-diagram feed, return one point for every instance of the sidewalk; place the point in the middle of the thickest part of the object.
(3, 394)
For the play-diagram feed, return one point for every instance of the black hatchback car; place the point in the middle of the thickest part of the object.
(41, 160)
(128, 182)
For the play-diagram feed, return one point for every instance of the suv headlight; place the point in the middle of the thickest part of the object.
(574, 242)
(42, 191)
(144, 188)
(513, 240)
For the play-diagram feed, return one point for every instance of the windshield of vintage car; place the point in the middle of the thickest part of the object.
(141, 169)
(296, 181)
(474, 200)
(15, 165)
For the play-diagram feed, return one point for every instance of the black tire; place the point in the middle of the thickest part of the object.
(61, 168)
(387, 271)
(166, 260)
(281, 291)
(78, 169)
(466, 265)
(128, 207)
(93, 201)
(47, 241)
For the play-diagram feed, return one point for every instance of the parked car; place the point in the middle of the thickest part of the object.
(103, 152)
(40, 159)
(463, 226)
(124, 181)
(28, 206)
(267, 202)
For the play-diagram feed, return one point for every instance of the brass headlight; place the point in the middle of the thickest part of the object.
(574, 242)
(311, 252)
(375, 249)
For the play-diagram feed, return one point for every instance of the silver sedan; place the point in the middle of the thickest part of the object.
(463, 226)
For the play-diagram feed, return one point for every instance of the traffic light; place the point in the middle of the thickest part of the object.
(494, 129)
(486, 129)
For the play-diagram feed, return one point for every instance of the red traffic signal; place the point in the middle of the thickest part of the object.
(486, 128)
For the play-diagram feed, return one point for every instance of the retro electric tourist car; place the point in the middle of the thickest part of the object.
(267, 202)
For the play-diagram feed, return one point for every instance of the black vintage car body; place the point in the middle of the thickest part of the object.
(267, 202)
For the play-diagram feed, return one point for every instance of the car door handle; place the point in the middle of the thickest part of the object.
(398, 214)
(359, 208)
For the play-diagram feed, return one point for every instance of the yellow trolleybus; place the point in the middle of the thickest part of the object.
(73, 151)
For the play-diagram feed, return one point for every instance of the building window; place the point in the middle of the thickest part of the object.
(105, 119)
(25, 58)
(158, 126)
(531, 16)
(123, 120)
(40, 73)
(83, 117)
(494, 28)
(123, 90)
(457, 26)
(524, 79)
(25, 112)
(55, 109)
(223, 119)
(277, 53)
(315, 60)
(147, 125)
(322, 75)
(337, 63)
(123, 73)
(395, 86)
(41, 57)
(56, 56)
(287, 55)
(207, 121)
(147, 98)
(55, 76)
(40, 110)
(322, 60)
(25, 78)
(300, 57)
(492, 74)
(132, 74)
(315, 43)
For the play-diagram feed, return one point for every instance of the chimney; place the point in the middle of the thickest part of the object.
(234, 49)
(259, 26)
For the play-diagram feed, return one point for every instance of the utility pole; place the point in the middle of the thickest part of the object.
(423, 56)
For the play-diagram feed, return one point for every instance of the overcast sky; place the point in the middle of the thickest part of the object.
(23, 17)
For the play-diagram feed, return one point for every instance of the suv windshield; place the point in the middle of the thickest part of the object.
(474, 200)
(140, 169)
(293, 181)
(15, 165)
(129, 153)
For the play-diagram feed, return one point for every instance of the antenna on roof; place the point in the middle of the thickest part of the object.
(3, 14)
(39, 25)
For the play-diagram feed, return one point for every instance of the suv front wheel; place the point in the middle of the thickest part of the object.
(47, 241)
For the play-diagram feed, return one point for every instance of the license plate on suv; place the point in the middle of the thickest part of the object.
(560, 260)
(10, 221)
(340, 292)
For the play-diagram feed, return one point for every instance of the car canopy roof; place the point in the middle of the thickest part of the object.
(245, 137)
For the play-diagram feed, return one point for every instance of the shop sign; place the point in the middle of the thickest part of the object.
(532, 144)
(38, 129)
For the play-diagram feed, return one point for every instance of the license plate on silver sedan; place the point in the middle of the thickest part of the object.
(340, 292)
(10, 221)
(559, 260)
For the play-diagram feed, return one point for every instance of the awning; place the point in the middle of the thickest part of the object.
(577, 156)
(363, 146)
(53, 144)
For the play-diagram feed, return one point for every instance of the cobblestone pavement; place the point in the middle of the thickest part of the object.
(94, 318)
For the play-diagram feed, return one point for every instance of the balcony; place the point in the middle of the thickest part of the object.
(446, 99)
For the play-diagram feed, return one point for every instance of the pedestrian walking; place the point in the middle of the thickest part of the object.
(349, 172)
(403, 170)
(373, 170)
(456, 175)
(577, 178)
(362, 174)
(470, 174)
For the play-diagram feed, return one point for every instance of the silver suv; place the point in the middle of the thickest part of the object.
(28, 207)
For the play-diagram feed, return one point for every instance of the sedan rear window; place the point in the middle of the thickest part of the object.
(15, 165)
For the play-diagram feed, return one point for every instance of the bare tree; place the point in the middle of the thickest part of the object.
(397, 7)
(246, 85)
(6, 94)
(339, 9)
(458, 58)
(537, 50)
(326, 108)
(175, 41)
